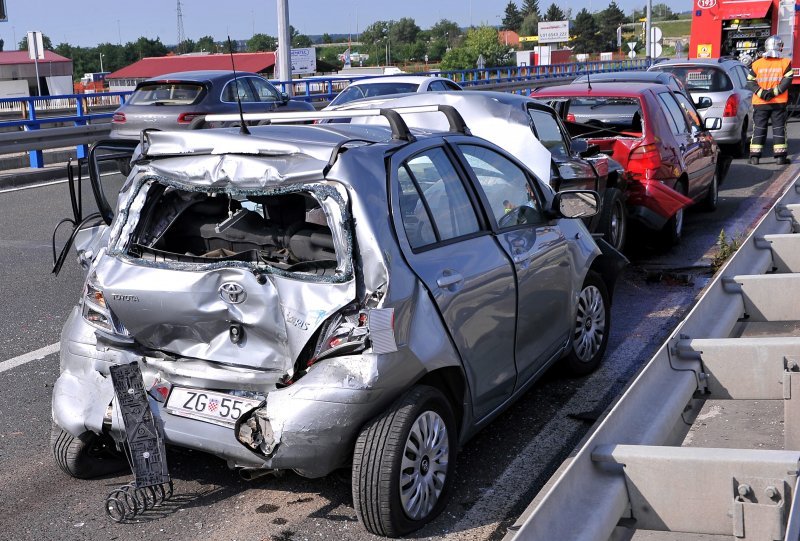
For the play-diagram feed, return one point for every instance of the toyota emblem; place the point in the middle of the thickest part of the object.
(232, 293)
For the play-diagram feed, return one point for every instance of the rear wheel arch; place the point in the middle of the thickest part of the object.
(451, 381)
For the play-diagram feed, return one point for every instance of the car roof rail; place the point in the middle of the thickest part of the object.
(399, 128)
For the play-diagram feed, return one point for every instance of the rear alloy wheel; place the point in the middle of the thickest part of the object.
(613, 219)
(86, 456)
(712, 196)
(592, 324)
(403, 463)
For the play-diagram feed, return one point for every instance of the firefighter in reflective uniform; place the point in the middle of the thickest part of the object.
(770, 78)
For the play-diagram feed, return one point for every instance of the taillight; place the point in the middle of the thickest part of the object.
(118, 118)
(570, 117)
(186, 118)
(644, 158)
(731, 106)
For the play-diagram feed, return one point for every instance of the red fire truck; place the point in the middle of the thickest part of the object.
(738, 28)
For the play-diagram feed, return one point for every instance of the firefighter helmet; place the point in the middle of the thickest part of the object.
(773, 47)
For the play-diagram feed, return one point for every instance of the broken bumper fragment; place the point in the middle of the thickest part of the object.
(308, 426)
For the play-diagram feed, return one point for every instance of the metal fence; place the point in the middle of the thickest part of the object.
(739, 342)
(52, 113)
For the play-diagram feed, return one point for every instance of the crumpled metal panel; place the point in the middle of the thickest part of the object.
(657, 197)
(177, 306)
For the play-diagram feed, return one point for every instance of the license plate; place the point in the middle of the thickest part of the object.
(218, 408)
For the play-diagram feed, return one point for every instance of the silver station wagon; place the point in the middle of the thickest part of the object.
(311, 297)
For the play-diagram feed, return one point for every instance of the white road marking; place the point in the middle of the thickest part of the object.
(45, 184)
(28, 357)
(32, 186)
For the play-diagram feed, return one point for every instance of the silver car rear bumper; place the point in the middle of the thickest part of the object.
(316, 420)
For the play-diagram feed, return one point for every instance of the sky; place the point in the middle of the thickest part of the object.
(90, 22)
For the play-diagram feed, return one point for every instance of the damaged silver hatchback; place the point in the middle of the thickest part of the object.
(311, 297)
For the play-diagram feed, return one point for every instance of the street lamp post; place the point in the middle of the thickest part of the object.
(101, 62)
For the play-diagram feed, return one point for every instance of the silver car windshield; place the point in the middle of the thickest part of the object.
(355, 92)
(166, 94)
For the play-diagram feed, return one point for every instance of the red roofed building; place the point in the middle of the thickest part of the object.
(508, 37)
(128, 77)
(55, 72)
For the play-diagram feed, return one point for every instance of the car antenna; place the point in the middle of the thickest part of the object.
(243, 130)
(589, 78)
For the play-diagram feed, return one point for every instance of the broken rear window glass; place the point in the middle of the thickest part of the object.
(285, 231)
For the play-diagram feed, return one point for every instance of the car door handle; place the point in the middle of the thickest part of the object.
(449, 280)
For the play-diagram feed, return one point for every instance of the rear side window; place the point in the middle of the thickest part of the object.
(264, 90)
(166, 94)
(674, 113)
(238, 87)
(434, 204)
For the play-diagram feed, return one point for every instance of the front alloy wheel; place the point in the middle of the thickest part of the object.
(592, 324)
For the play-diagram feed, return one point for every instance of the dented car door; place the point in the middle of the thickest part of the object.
(466, 272)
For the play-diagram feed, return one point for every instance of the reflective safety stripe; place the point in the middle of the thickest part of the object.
(780, 147)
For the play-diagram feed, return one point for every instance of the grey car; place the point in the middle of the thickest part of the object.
(655, 77)
(311, 297)
(724, 82)
(176, 100)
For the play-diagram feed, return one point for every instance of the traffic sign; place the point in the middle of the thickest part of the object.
(632, 54)
(656, 34)
(632, 45)
(657, 50)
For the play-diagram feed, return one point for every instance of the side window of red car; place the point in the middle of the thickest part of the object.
(674, 113)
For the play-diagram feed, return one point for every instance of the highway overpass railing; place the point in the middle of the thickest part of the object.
(27, 119)
(636, 472)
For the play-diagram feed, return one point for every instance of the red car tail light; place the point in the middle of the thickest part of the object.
(186, 118)
(643, 158)
(731, 106)
(570, 117)
(118, 118)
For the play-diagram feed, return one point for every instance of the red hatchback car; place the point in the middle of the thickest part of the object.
(667, 151)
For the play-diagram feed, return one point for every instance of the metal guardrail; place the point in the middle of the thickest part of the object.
(82, 109)
(52, 138)
(79, 111)
(739, 342)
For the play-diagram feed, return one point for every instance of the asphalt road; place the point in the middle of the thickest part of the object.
(498, 472)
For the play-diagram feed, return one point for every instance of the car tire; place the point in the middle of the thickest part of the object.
(672, 232)
(742, 148)
(398, 488)
(85, 456)
(592, 325)
(712, 196)
(614, 219)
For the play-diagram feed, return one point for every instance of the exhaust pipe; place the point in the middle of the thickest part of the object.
(251, 474)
